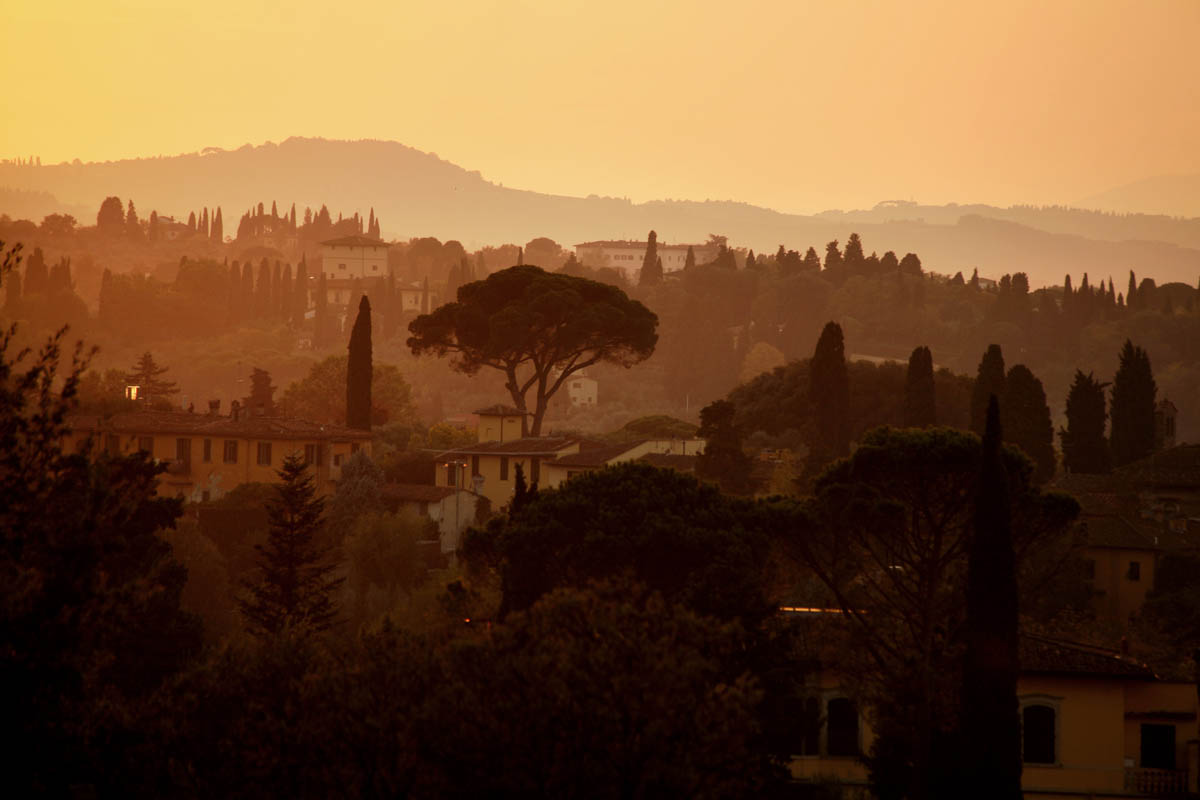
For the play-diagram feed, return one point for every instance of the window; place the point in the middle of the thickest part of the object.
(1158, 746)
(535, 469)
(341, 266)
(264, 453)
(146, 444)
(1135, 571)
(310, 453)
(1038, 734)
(183, 450)
(842, 734)
(230, 451)
(474, 466)
(374, 268)
(353, 448)
(503, 468)
(207, 451)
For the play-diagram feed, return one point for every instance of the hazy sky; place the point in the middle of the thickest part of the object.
(796, 105)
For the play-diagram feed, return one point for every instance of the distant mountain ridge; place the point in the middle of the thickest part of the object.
(1176, 195)
(418, 194)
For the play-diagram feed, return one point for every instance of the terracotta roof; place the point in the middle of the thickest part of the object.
(1111, 530)
(642, 245)
(416, 492)
(527, 446)
(501, 410)
(593, 457)
(357, 240)
(671, 461)
(151, 422)
(1045, 656)
(1178, 466)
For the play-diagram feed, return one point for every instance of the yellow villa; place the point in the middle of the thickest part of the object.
(1093, 724)
(207, 455)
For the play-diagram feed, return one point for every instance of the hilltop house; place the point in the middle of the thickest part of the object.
(354, 257)
(207, 455)
(627, 256)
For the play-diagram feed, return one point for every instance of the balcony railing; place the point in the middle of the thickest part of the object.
(1156, 782)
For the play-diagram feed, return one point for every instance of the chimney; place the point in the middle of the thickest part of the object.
(214, 407)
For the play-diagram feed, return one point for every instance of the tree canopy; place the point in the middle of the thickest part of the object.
(321, 395)
(537, 328)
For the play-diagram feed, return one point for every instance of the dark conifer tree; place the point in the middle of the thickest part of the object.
(1027, 420)
(833, 256)
(146, 374)
(812, 262)
(854, 257)
(204, 229)
(192, 221)
(296, 588)
(248, 296)
(989, 380)
(829, 395)
(152, 227)
(991, 727)
(133, 227)
(262, 290)
(275, 305)
(60, 278)
(911, 265)
(321, 322)
(723, 459)
(651, 272)
(285, 295)
(359, 370)
(261, 400)
(1132, 408)
(292, 218)
(974, 282)
(37, 276)
(274, 210)
(1085, 448)
(751, 261)
(689, 260)
(300, 298)
(920, 409)
(1131, 293)
(523, 492)
(218, 227)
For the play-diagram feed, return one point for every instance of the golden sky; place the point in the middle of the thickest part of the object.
(792, 104)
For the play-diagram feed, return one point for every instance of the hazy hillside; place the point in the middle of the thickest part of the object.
(1176, 195)
(418, 194)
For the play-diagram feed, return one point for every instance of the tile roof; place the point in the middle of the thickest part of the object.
(527, 446)
(416, 492)
(1178, 466)
(501, 410)
(1111, 530)
(357, 240)
(642, 245)
(671, 461)
(1045, 656)
(150, 422)
(593, 457)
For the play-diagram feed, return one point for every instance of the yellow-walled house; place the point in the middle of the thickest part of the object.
(1120, 561)
(1093, 724)
(207, 455)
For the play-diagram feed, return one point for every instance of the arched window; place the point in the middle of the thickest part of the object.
(842, 731)
(1038, 734)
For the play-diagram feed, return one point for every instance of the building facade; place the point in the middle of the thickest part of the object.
(627, 256)
(352, 257)
(207, 455)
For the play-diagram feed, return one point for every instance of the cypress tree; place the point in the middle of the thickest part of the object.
(218, 227)
(1027, 420)
(204, 229)
(833, 256)
(192, 221)
(133, 228)
(991, 726)
(296, 587)
(1133, 397)
(1085, 450)
(751, 262)
(321, 314)
(358, 370)
(920, 410)
(989, 380)
(812, 261)
(651, 272)
(152, 228)
(689, 260)
(1131, 298)
(262, 293)
(37, 277)
(829, 394)
(300, 298)
(284, 295)
(247, 290)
